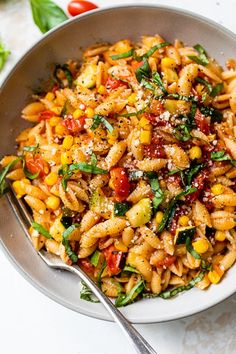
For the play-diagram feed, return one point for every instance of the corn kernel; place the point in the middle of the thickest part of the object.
(53, 202)
(89, 112)
(51, 179)
(201, 246)
(214, 277)
(101, 89)
(132, 99)
(78, 113)
(56, 110)
(217, 189)
(183, 220)
(60, 130)
(66, 158)
(159, 217)
(144, 122)
(54, 121)
(145, 137)
(195, 153)
(68, 142)
(50, 96)
(167, 63)
(220, 236)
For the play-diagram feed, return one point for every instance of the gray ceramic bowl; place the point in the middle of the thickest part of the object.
(66, 42)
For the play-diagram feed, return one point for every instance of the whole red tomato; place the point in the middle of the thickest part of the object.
(77, 7)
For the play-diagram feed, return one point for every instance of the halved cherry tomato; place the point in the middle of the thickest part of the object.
(86, 265)
(35, 164)
(74, 125)
(166, 262)
(77, 7)
(113, 84)
(202, 122)
(46, 115)
(120, 182)
(113, 259)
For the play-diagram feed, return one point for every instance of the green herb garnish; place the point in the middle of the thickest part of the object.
(182, 133)
(153, 49)
(222, 156)
(65, 241)
(41, 230)
(182, 235)
(158, 81)
(125, 299)
(202, 57)
(120, 209)
(66, 221)
(95, 258)
(212, 90)
(190, 248)
(4, 172)
(31, 148)
(130, 269)
(97, 120)
(158, 194)
(99, 278)
(128, 54)
(216, 116)
(4, 54)
(87, 294)
(67, 73)
(47, 14)
(144, 71)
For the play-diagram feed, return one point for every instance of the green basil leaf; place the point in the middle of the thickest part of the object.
(153, 49)
(128, 54)
(205, 83)
(158, 81)
(137, 113)
(67, 73)
(170, 210)
(130, 269)
(94, 159)
(66, 221)
(144, 71)
(190, 248)
(158, 194)
(181, 132)
(4, 54)
(97, 120)
(217, 89)
(87, 294)
(99, 278)
(47, 14)
(41, 230)
(192, 171)
(31, 148)
(202, 58)
(123, 300)
(120, 209)
(216, 116)
(95, 258)
(182, 235)
(177, 96)
(219, 156)
(147, 85)
(85, 167)
(4, 172)
(213, 91)
(72, 255)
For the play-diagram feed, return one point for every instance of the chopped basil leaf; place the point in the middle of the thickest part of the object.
(85, 167)
(147, 85)
(121, 208)
(182, 235)
(128, 54)
(170, 293)
(202, 57)
(94, 159)
(47, 14)
(217, 89)
(97, 120)
(177, 96)
(87, 294)
(131, 269)
(4, 172)
(95, 258)
(153, 49)
(99, 278)
(192, 171)
(125, 299)
(73, 256)
(41, 230)
(158, 194)
(158, 81)
(66, 221)
(216, 116)
(31, 148)
(144, 71)
(170, 210)
(181, 132)
(222, 156)
(213, 91)
(3, 55)
(67, 73)
(190, 248)
(133, 114)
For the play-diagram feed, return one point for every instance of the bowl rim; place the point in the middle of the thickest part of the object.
(27, 53)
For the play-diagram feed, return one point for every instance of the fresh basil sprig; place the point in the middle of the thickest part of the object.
(65, 241)
(4, 54)
(4, 172)
(202, 57)
(97, 120)
(38, 227)
(125, 299)
(47, 14)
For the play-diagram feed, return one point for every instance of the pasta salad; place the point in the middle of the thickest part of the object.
(129, 167)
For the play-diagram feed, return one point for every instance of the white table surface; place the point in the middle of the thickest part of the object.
(30, 323)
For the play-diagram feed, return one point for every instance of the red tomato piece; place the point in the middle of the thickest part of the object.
(77, 7)
(156, 120)
(46, 115)
(199, 182)
(86, 265)
(155, 149)
(35, 164)
(113, 259)
(166, 262)
(202, 122)
(120, 182)
(113, 84)
(74, 126)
